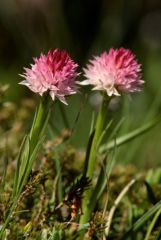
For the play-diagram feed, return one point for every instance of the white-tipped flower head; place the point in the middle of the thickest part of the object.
(114, 72)
(54, 72)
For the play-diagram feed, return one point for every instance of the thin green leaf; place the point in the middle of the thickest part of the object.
(151, 194)
(59, 182)
(78, 116)
(92, 123)
(152, 224)
(24, 161)
(44, 126)
(141, 221)
(34, 121)
(19, 159)
(103, 134)
(129, 136)
(40, 121)
(90, 139)
(89, 145)
(102, 179)
(106, 167)
(30, 163)
(116, 129)
(159, 236)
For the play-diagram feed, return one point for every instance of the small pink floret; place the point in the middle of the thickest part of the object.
(54, 72)
(114, 72)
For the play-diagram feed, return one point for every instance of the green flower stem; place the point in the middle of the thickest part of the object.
(39, 125)
(100, 125)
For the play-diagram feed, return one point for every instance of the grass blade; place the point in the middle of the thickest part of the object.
(150, 228)
(103, 178)
(141, 221)
(30, 163)
(24, 161)
(159, 236)
(19, 161)
(129, 136)
(116, 203)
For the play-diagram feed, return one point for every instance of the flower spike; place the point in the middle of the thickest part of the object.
(54, 72)
(114, 72)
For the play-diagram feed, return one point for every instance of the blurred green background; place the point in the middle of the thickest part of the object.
(86, 28)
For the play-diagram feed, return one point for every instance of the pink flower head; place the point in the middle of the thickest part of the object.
(114, 72)
(54, 72)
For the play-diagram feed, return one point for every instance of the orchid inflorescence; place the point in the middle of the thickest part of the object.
(54, 72)
(114, 72)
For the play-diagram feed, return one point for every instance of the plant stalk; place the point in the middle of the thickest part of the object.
(100, 125)
(38, 127)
